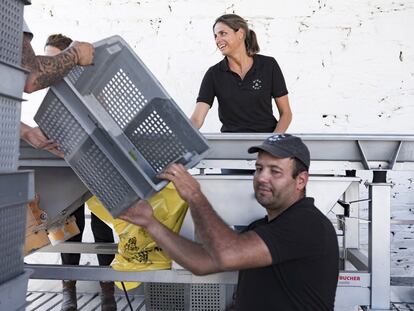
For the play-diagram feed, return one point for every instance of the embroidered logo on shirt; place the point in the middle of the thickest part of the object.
(257, 84)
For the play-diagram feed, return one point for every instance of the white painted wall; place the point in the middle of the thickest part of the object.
(351, 61)
(349, 65)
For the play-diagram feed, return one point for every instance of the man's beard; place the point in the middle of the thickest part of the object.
(267, 201)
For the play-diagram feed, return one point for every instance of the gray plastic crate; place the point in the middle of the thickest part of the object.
(11, 34)
(16, 189)
(187, 297)
(11, 39)
(118, 127)
(12, 81)
(9, 133)
(13, 292)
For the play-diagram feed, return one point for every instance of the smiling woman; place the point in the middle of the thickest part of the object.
(244, 83)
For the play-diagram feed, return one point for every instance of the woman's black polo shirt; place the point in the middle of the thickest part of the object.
(244, 105)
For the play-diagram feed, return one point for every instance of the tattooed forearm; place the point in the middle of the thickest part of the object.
(46, 70)
(28, 55)
(52, 69)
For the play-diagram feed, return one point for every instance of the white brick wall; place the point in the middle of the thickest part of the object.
(402, 208)
(349, 65)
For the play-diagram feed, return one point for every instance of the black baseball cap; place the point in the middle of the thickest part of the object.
(284, 146)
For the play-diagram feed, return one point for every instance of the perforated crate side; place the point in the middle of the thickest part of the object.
(121, 98)
(121, 87)
(87, 160)
(17, 189)
(9, 133)
(11, 34)
(97, 160)
(60, 125)
(162, 135)
(119, 81)
(103, 179)
(12, 234)
(166, 296)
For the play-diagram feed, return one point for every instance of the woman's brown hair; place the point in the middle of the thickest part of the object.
(236, 22)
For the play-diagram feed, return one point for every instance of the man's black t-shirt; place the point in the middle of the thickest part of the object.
(244, 105)
(304, 274)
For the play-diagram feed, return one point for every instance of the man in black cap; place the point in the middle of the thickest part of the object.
(287, 260)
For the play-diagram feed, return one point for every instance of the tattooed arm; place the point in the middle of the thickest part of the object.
(47, 70)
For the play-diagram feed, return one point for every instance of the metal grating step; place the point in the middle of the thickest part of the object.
(47, 301)
(403, 306)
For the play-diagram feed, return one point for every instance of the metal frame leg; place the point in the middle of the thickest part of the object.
(352, 222)
(379, 246)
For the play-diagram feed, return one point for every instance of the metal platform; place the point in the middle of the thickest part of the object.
(403, 306)
(47, 301)
(364, 282)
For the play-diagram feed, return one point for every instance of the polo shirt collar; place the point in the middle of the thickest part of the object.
(224, 64)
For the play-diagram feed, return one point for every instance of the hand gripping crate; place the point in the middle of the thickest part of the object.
(118, 127)
(16, 189)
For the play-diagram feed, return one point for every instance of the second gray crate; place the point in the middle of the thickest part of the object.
(11, 31)
(16, 189)
(9, 133)
(118, 127)
(13, 292)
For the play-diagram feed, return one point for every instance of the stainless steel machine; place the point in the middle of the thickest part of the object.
(365, 273)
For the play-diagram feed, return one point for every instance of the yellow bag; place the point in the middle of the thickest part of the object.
(137, 251)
